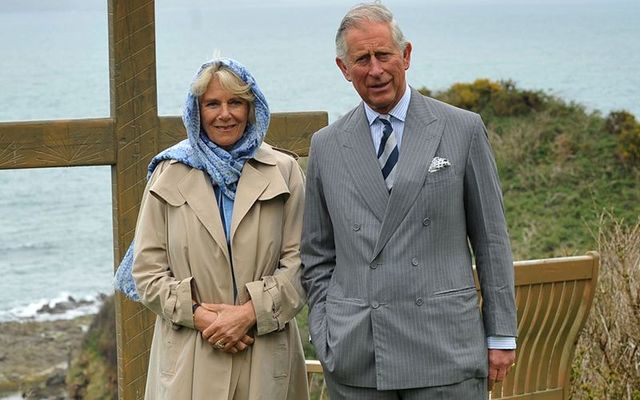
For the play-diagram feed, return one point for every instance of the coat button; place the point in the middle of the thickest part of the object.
(426, 222)
(414, 262)
(374, 266)
(419, 301)
(375, 305)
(356, 227)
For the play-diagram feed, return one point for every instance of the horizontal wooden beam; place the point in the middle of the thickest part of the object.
(555, 270)
(290, 130)
(313, 367)
(65, 143)
(58, 143)
(561, 269)
(293, 130)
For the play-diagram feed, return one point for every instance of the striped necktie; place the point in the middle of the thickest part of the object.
(388, 153)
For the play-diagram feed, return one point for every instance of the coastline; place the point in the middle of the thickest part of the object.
(35, 355)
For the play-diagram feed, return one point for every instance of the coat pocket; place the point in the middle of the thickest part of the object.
(168, 349)
(455, 291)
(350, 351)
(279, 343)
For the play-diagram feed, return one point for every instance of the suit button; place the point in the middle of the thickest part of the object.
(426, 222)
(356, 227)
(374, 266)
(375, 305)
(419, 301)
(414, 262)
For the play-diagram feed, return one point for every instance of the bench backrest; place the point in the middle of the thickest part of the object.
(553, 298)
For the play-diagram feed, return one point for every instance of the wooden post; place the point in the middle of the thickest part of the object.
(134, 109)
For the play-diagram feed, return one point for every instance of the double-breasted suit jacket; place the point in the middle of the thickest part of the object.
(180, 244)
(389, 276)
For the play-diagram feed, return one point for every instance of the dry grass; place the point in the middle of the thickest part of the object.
(317, 388)
(607, 362)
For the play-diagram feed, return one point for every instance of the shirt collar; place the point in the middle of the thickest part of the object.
(399, 112)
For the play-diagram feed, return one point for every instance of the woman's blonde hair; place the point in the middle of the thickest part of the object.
(229, 81)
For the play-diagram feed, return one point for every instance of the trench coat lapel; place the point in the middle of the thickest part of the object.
(251, 185)
(361, 162)
(198, 193)
(261, 179)
(420, 139)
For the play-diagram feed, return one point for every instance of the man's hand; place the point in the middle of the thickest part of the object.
(231, 326)
(500, 361)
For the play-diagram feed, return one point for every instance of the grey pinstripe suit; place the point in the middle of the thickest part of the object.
(389, 277)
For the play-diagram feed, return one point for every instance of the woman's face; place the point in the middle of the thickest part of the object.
(223, 115)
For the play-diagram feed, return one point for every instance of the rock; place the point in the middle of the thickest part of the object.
(63, 306)
(53, 388)
(56, 378)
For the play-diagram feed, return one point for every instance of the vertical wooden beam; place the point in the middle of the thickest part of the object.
(132, 62)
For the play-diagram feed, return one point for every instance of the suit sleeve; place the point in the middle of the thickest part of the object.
(279, 297)
(159, 290)
(318, 247)
(487, 231)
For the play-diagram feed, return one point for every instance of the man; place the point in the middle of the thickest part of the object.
(397, 189)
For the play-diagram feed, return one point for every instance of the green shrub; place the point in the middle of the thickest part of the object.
(491, 98)
(511, 101)
(629, 146)
(627, 131)
(620, 121)
(471, 96)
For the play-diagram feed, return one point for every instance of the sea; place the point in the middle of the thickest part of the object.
(56, 247)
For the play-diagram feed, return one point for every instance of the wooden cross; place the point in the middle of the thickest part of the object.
(127, 140)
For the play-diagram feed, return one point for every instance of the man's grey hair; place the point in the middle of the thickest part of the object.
(367, 12)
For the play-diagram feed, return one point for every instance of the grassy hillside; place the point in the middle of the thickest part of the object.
(560, 166)
(92, 373)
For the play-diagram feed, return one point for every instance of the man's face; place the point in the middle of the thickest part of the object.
(374, 65)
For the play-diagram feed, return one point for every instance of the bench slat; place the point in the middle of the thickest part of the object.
(554, 394)
(552, 272)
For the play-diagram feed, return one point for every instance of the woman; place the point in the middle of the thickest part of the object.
(216, 252)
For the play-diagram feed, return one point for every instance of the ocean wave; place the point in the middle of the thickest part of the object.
(33, 246)
(63, 306)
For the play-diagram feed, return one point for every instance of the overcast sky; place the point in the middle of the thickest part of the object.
(53, 5)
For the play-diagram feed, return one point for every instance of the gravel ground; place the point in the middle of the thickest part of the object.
(34, 356)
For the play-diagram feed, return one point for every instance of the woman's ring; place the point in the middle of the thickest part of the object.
(219, 344)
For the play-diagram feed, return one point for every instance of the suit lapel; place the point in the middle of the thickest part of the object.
(362, 164)
(198, 193)
(420, 139)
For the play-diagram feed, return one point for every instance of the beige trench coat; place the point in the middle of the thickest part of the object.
(179, 239)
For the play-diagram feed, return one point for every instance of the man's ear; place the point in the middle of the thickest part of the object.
(343, 69)
(406, 56)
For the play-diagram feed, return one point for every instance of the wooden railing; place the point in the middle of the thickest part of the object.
(553, 298)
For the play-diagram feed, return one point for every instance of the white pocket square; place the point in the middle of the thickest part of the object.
(438, 163)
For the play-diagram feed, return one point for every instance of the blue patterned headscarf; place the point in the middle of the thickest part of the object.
(197, 151)
(222, 166)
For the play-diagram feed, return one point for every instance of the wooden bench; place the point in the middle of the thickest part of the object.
(553, 297)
